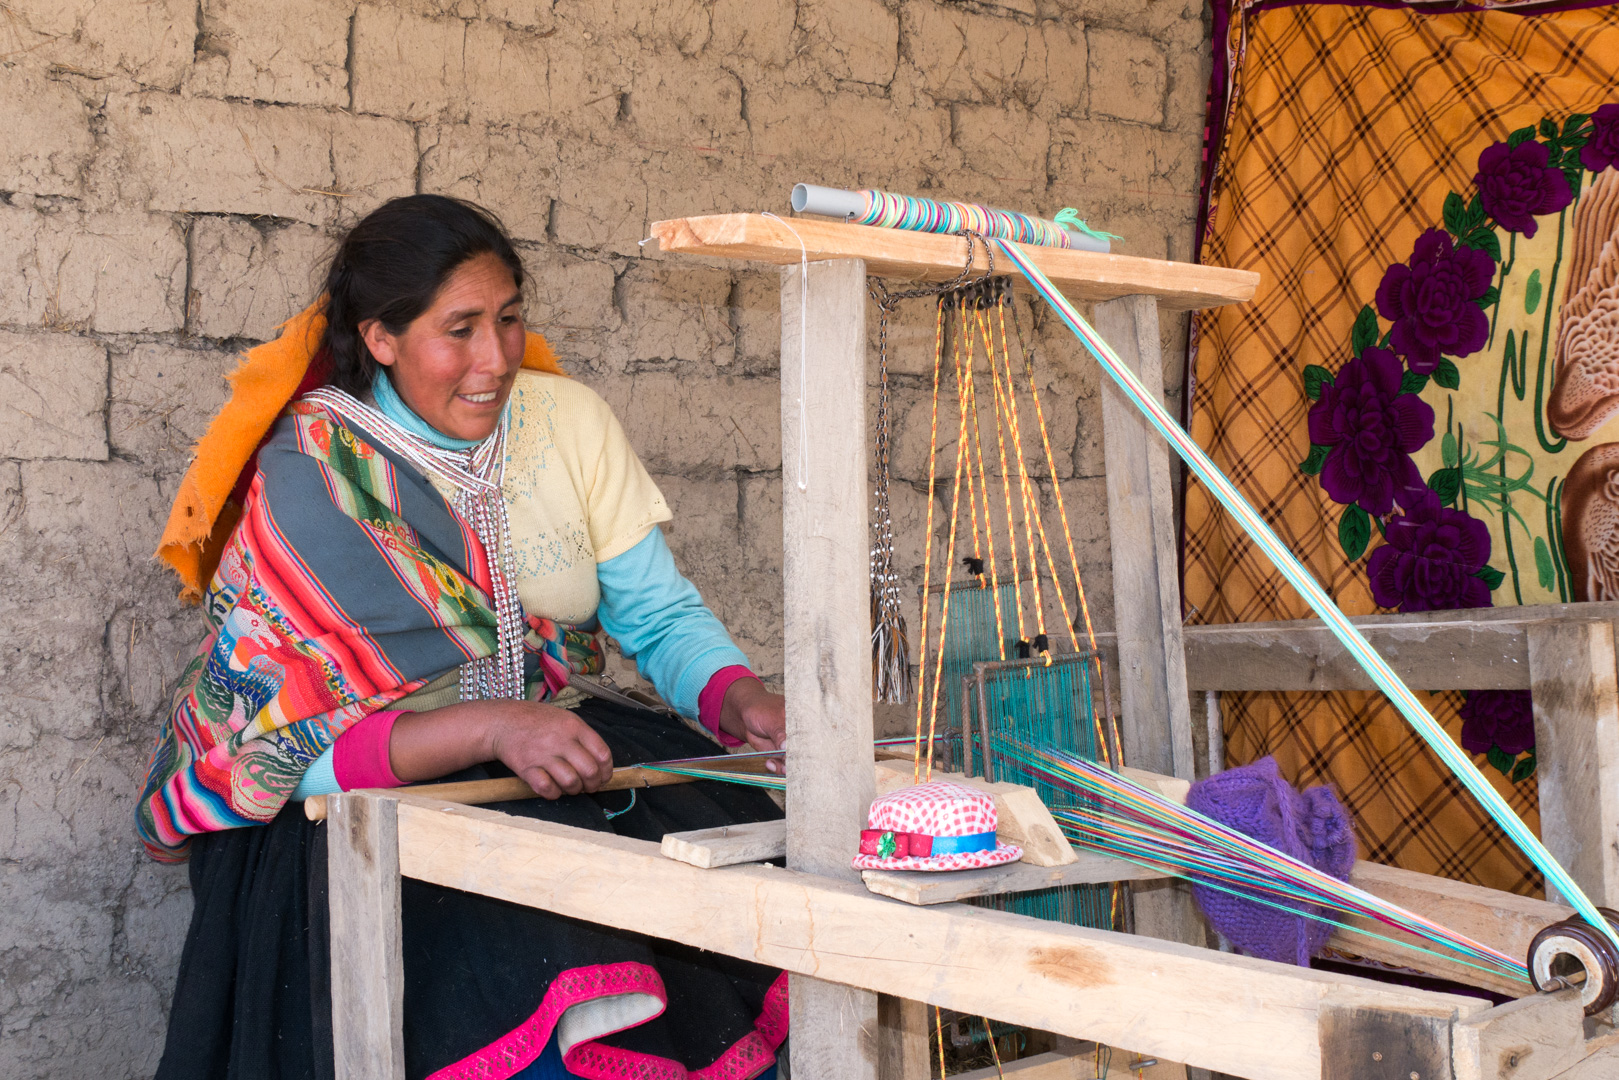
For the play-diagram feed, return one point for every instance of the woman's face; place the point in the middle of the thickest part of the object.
(455, 364)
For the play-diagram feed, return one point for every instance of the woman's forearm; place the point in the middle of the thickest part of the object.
(552, 749)
(427, 745)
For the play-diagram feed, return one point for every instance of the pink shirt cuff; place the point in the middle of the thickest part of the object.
(712, 699)
(360, 754)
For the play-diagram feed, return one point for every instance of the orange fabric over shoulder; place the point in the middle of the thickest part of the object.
(203, 513)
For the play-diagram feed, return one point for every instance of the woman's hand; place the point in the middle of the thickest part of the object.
(554, 751)
(551, 749)
(756, 716)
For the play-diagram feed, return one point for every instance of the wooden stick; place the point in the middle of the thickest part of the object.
(506, 788)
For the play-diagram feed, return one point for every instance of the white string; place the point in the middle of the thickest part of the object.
(803, 353)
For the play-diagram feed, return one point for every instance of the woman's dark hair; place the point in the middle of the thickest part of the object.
(390, 267)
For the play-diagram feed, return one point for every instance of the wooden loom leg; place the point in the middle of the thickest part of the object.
(1155, 708)
(368, 967)
(1576, 694)
(904, 1049)
(827, 629)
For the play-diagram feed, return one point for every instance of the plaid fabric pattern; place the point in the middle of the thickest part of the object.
(1344, 128)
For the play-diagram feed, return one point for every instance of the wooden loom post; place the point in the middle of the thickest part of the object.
(1155, 707)
(827, 628)
(1575, 688)
(367, 957)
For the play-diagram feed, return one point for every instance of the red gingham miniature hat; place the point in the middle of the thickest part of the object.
(934, 826)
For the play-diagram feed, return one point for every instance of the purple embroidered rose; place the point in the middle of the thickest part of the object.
(1601, 151)
(1372, 430)
(1503, 718)
(1430, 559)
(1431, 301)
(1517, 183)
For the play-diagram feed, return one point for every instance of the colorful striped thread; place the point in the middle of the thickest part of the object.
(1300, 578)
(892, 211)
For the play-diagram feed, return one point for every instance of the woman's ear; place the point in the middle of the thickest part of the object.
(379, 341)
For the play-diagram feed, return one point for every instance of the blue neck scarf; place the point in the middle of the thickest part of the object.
(391, 405)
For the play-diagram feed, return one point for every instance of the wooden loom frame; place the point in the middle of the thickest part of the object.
(844, 943)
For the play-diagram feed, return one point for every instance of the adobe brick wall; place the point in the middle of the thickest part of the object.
(173, 172)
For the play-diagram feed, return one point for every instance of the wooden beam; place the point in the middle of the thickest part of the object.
(1504, 921)
(509, 789)
(1062, 1066)
(368, 966)
(826, 626)
(1576, 699)
(1155, 709)
(1476, 649)
(1534, 1038)
(1360, 1043)
(903, 1053)
(1247, 1017)
(1081, 275)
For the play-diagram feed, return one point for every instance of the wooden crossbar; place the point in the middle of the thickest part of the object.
(1082, 275)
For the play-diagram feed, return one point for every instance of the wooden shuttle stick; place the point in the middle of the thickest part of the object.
(501, 789)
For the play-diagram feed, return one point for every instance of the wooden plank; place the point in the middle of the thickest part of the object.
(1601, 1064)
(1155, 709)
(1576, 698)
(728, 845)
(1534, 1038)
(920, 887)
(1475, 649)
(1081, 275)
(368, 966)
(1235, 1014)
(903, 1053)
(1359, 1043)
(826, 626)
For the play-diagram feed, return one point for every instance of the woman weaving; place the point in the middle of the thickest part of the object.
(432, 539)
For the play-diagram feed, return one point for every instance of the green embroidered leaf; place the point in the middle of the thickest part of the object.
(1316, 379)
(1521, 136)
(1501, 760)
(1447, 450)
(1491, 295)
(1354, 531)
(1531, 292)
(1413, 383)
(1543, 564)
(1484, 239)
(1548, 128)
(1365, 332)
(1455, 211)
(1525, 768)
(1491, 577)
(1475, 212)
(1311, 465)
(1447, 484)
(1447, 374)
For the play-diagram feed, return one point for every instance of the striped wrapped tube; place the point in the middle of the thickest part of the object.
(890, 211)
(1301, 579)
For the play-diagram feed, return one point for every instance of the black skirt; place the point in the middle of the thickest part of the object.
(486, 981)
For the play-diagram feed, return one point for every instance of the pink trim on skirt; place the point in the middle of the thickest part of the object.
(517, 1049)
